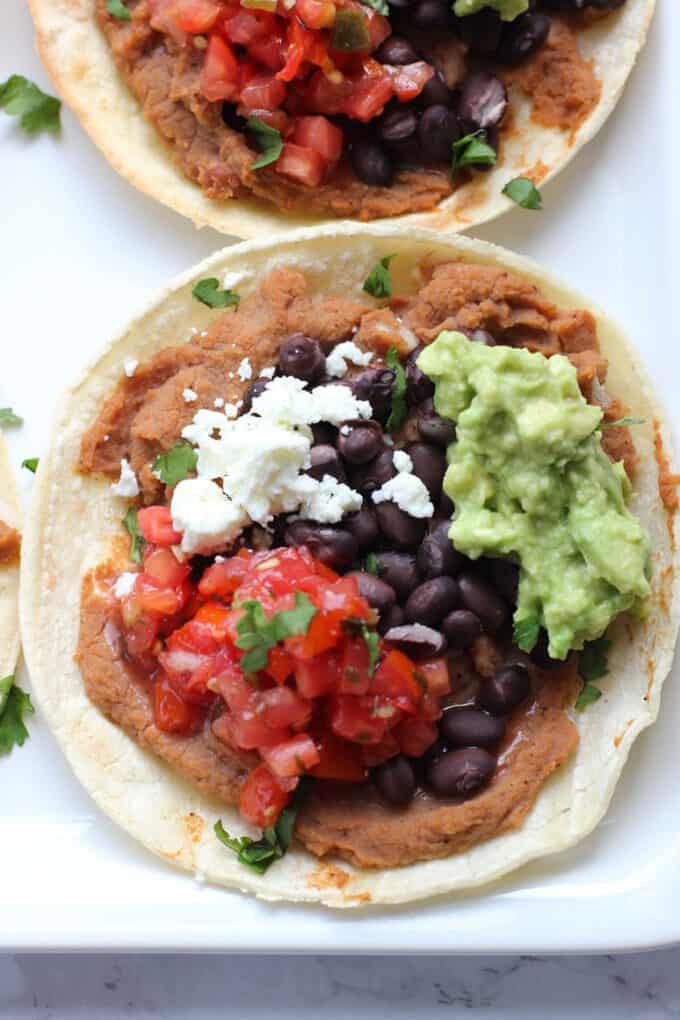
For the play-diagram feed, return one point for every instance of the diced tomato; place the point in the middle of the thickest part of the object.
(395, 679)
(303, 47)
(415, 736)
(262, 798)
(155, 524)
(221, 74)
(277, 119)
(279, 664)
(244, 27)
(301, 164)
(363, 720)
(264, 92)
(158, 599)
(316, 13)
(163, 566)
(141, 635)
(379, 27)
(282, 706)
(223, 578)
(376, 754)
(234, 688)
(321, 95)
(338, 759)
(409, 80)
(292, 758)
(369, 95)
(317, 676)
(251, 733)
(215, 618)
(435, 675)
(171, 713)
(354, 667)
(343, 597)
(194, 16)
(319, 134)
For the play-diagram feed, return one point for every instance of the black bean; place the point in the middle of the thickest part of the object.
(429, 464)
(435, 92)
(483, 100)
(371, 163)
(395, 780)
(471, 727)
(377, 593)
(433, 752)
(462, 628)
(539, 653)
(394, 618)
(364, 526)
(400, 571)
(375, 386)
(431, 14)
(333, 546)
(324, 434)
(302, 357)
(417, 641)
(445, 506)
(432, 601)
(325, 460)
(369, 477)
(478, 596)
(360, 441)
(256, 389)
(437, 131)
(523, 36)
(396, 50)
(436, 555)
(505, 690)
(504, 576)
(397, 125)
(399, 528)
(461, 773)
(482, 31)
(419, 386)
(435, 429)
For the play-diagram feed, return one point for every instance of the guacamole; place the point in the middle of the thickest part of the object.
(508, 9)
(529, 479)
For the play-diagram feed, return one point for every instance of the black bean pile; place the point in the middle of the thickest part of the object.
(431, 600)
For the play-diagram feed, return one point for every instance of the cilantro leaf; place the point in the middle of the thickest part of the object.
(373, 645)
(592, 662)
(378, 283)
(525, 632)
(260, 854)
(131, 524)
(15, 704)
(399, 409)
(267, 139)
(31, 464)
(628, 420)
(172, 467)
(257, 634)
(588, 695)
(118, 9)
(8, 418)
(524, 193)
(209, 293)
(37, 111)
(472, 150)
(371, 565)
(381, 6)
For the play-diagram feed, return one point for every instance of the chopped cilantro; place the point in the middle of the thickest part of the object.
(14, 705)
(628, 420)
(8, 418)
(588, 695)
(378, 283)
(371, 565)
(524, 193)
(592, 662)
(268, 141)
(131, 524)
(381, 6)
(259, 854)
(373, 645)
(257, 633)
(525, 632)
(209, 293)
(37, 111)
(118, 9)
(472, 150)
(399, 409)
(176, 464)
(31, 464)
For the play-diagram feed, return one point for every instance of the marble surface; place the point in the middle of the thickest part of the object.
(641, 986)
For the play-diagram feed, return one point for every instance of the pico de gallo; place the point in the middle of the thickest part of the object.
(281, 652)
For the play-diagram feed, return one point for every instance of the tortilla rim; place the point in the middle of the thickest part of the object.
(79, 61)
(109, 764)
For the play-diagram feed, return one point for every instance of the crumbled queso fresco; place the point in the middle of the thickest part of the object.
(336, 362)
(405, 489)
(127, 486)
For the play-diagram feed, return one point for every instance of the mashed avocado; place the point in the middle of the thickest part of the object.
(508, 9)
(529, 479)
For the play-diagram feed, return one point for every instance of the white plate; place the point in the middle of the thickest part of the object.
(80, 252)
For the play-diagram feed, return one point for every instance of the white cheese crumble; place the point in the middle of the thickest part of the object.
(205, 515)
(127, 485)
(329, 500)
(124, 584)
(405, 489)
(245, 370)
(130, 367)
(268, 372)
(218, 402)
(336, 362)
(190, 396)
